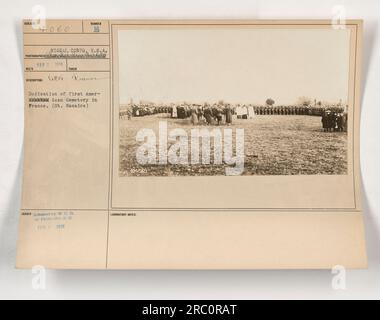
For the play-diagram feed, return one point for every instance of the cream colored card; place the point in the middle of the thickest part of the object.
(205, 144)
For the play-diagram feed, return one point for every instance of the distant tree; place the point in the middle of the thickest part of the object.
(304, 101)
(270, 102)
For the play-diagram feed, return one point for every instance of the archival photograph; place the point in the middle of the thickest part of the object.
(248, 100)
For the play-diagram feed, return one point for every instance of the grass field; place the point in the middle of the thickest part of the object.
(274, 145)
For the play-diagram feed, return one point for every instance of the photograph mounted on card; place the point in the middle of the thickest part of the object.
(192, 144)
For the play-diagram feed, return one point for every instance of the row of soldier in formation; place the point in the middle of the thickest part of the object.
(184, 111)
(334, 118)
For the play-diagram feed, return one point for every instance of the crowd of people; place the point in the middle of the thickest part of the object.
(334, 117)
(333, 121)
(205, 114)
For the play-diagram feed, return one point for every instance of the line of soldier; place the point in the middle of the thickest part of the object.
(142, 111)
(183, 111)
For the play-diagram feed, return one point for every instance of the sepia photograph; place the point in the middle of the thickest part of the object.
(249, 100)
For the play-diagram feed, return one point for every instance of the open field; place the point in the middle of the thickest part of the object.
(274, 145)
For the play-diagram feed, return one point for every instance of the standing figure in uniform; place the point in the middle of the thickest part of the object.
(340, 120)
(208, 115)
(219, 116)
(194, 117)
(345, 121)
(174, 112)
(200, 114)
(325, 121)
(330, 121)
(335, 121)
(228, 113)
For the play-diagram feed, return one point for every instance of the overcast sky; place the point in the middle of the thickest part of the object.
(239, 65)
